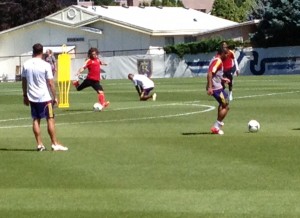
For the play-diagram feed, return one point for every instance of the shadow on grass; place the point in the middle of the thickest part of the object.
(196, 133)
(296, 129)
(17, 149)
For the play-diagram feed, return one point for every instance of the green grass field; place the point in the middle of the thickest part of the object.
(156, 159)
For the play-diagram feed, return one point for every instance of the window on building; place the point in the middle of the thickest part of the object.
(188, 39)
(169, 40)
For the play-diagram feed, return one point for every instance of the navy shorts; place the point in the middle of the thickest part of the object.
(40, 110)
(221, 96)
(147, 91)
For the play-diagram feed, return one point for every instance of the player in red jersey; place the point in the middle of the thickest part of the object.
(230, 67)
(93, 64)
(214, 88)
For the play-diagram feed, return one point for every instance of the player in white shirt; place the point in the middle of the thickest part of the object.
(143, 86)
(39, 92)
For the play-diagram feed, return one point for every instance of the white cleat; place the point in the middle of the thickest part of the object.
(59, 148)
(221, 132)
(40, 148)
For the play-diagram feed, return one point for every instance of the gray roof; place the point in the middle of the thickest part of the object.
(150, 20)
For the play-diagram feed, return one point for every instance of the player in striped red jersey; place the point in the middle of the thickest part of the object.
(215, 88)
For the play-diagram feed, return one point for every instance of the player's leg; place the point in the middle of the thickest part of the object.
(230, 77)
(49, 115)
(37, 131)
(222, 112)
(101, 96)
(83, 85)
(36, 119)
(225, 75)
(230, 84)
(146, 94)
(221, 97)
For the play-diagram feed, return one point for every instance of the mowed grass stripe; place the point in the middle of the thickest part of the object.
(166, 167)
(275, 202)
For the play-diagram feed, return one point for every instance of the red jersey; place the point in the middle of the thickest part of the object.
(228, 62)
(93, 66)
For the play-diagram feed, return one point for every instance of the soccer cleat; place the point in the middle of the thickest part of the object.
(215, 130)
(106, 104)
(40, 148)
(154, 97)
(75, 83)
(59, 148)
(221, 132)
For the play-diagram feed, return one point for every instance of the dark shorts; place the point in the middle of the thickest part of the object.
(147, 91)
(90, 83)
(221, 96)
(229, 74)
(40, 110)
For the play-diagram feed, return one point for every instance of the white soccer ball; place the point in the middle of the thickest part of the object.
(253, 126)
(97, 107)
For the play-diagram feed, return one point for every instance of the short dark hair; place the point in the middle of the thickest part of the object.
(37, 49)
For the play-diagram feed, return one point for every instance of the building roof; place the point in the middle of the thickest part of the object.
(150, 20)
(203, 5)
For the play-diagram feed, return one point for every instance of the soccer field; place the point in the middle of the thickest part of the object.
(156, 159)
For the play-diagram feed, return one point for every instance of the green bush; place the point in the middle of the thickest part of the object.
(203, 46)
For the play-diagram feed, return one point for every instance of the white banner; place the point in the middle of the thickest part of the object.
(252, 61)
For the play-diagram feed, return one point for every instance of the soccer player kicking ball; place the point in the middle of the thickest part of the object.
(93, 77)
(143, 86)
(214, 87)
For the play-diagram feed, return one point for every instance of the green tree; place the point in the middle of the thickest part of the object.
(257, 10)
(104, 2)
(18, 12)
(235, 10)
(226, 9)
(280, 25)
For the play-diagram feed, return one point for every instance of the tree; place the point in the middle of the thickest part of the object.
(18, 12)
(235, 10)
(257, 9)
(104, 2)
(280, 24)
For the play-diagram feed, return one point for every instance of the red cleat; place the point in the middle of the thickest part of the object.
(215, 130)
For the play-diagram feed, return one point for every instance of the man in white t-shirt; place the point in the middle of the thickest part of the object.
(143, 86)
(39, 92)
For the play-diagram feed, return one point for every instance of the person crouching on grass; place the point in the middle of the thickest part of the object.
(214, 88)
(143, 86)
(93, 64)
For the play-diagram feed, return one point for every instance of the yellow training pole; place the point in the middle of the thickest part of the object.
(64, 78)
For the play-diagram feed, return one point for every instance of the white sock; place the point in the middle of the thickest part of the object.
(220, 123)
(216, 125)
